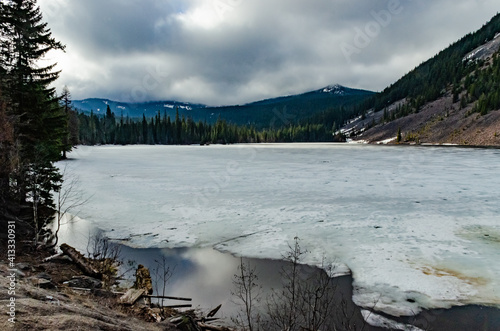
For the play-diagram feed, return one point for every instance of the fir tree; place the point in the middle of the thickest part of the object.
(38, 122)
(70, 138)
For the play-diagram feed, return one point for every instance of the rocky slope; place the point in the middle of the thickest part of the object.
(438, 122)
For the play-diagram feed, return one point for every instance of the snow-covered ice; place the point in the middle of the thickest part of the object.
(417, 226)
(382, 322)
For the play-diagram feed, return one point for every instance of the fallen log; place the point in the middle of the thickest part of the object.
(81, 261)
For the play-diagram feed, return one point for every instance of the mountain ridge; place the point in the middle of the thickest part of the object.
(259, 113)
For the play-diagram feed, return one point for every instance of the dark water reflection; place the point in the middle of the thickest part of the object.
(206, 276)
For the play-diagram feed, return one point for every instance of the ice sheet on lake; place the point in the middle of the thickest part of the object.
(418, 227)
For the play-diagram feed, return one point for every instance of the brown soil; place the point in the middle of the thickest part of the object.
(441, 122)
(63, 308)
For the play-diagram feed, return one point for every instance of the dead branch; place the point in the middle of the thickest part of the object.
(52, 257)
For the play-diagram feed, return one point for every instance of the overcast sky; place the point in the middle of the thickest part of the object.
(220, 52)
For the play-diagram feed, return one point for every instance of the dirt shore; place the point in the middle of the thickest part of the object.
(33, 297)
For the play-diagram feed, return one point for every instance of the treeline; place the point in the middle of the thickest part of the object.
(162, 130)
(34, 129)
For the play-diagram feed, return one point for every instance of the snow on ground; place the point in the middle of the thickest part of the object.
(417, 226)
(385, 142)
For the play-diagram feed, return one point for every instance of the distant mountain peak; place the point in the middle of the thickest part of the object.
(334, 89)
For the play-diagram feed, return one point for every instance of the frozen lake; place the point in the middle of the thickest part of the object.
(418, 227)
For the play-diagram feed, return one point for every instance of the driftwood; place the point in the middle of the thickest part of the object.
(81, 261)
(131, 296)
(214, 311)
(204, 326)
(52, 257)
(165, 297)
(81, 289)
(178, 306)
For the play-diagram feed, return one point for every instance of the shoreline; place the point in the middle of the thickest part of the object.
(426, 144)
(206, 276)
(193, 267)
(466, 317)
(43, 302)
(32, 301)
(353, 142)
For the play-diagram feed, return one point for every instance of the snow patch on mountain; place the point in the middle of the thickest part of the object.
(334, 89)
(484, 51)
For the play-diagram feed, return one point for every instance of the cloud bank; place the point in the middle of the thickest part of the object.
(221, 52)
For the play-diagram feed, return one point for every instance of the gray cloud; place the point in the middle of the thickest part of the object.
(235, 51)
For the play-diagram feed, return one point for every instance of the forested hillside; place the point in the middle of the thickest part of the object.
(284, 111)
(436, 101)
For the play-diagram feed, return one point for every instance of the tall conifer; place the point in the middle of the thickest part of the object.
(38, 122)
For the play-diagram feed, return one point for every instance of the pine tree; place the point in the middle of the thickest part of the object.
(38, 122)
(178, 127)
(109, 126)
(8, 159)
(70, 137)
(144, 130)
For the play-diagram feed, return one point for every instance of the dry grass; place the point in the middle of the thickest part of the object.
(63, 308)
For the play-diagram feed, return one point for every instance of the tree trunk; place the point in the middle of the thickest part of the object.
(81, 261)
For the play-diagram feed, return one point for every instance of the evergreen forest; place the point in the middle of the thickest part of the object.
(34, 124)
(448, 71)
(162, 130)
